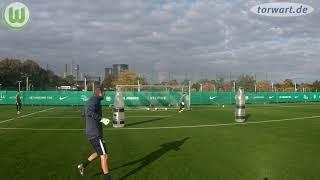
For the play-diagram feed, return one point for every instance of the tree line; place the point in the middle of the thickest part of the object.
(14, 70)
(250, 84)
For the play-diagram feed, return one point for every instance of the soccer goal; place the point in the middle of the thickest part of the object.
(155, 97)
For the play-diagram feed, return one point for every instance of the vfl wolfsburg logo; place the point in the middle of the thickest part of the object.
(16, 15)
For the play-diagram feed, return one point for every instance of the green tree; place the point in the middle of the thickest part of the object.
(247, 82)
(264, 86)
(196, 86)
(316, 86)
(10, 72)
(129, 77)
(173, 82)
(142, 80)
(219, 83)
(69, 80)
(13, 70)
(108, 82)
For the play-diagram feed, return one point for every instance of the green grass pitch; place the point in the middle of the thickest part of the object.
(278, 142)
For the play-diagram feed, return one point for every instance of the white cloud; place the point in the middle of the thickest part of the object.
(197, 37)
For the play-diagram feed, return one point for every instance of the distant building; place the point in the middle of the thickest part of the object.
(118, 69)
(107, 72)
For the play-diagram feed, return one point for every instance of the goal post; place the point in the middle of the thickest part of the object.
(155, 97)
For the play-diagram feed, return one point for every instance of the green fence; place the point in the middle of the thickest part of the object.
(155, 98)
(252, 97)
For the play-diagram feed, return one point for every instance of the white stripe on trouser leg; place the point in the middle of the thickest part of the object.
(102, 147)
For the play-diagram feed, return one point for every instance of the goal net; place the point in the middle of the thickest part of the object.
(155, 97)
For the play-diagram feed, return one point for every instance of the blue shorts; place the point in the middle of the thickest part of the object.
(99, 146)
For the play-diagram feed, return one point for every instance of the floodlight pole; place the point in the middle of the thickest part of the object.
(85, 84)
(138, 86)
(19, 85)
(200, 87)
(27, 84)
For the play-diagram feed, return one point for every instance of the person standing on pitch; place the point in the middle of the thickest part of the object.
(94, 131)
(18, 102)
(182, 102)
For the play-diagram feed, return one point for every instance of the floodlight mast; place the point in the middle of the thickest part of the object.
(19, 85)
(27, 84)
(85, 84)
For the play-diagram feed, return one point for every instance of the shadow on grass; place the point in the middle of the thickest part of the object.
(146, 121)
(248, 116)
(153, 156)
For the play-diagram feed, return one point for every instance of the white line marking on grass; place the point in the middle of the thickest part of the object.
(224, 124)
(148, 116)
(66, 117)
(25, 115)
(172, 127)
(42, 129)
(277, 106)
(152, 109)
(76, 117)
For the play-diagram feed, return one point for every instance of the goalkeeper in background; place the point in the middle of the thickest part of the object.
(94, 131)
(18, 102)
(182, 99)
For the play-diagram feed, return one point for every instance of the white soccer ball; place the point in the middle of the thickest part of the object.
(223, 106)
(105, 121)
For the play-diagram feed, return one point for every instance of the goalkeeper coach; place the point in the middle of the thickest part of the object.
(94, 131)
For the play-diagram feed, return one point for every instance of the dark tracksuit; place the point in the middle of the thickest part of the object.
(18, 102)
(94, 129)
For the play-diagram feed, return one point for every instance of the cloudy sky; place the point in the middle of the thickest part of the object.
(164, 39)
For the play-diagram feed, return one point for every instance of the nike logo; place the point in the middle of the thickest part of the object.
(62, 98)
(212, 97)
